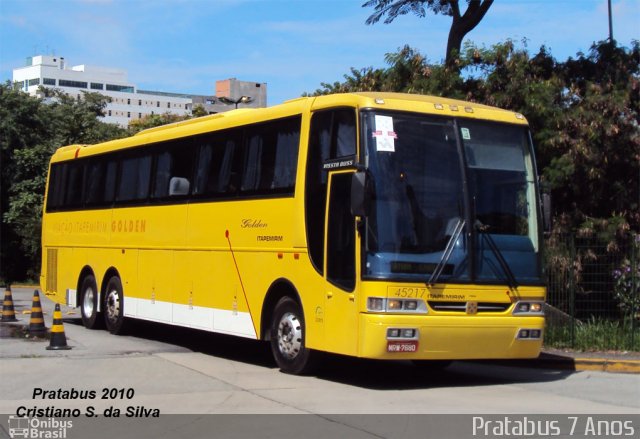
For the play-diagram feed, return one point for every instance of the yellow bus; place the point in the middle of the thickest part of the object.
(375, 225)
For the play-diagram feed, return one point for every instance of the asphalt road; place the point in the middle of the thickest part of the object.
(182, 371)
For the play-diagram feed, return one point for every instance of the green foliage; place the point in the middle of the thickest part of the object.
(199, 111)
(30, 131)
(598, 135)
(583, 114)
(394, 8)
(461, 23)
(594, 335)
(153, 120)
(627, 282)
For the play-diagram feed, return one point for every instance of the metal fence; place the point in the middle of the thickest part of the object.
(594, 292)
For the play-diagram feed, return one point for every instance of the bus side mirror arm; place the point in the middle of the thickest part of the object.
(360, 194)
(545, 204)
(546, 211)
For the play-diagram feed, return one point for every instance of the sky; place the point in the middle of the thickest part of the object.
(184, 46)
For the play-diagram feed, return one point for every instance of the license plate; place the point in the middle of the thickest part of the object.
(402, 346)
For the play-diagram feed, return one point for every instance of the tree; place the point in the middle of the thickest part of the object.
(584, 114)
(154, 120)
(596, 152)
(461, 25)
(199, 111)
(30, 131)
(21, 126)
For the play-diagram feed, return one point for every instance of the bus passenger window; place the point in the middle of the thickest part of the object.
(55, 198)
(110, 182)
(94, 182)
(272, 157)
(175, 162)
(218, 164)
(75, 179)
(135, 174)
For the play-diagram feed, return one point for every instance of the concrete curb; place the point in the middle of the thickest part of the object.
(604, 365)
(579, 364)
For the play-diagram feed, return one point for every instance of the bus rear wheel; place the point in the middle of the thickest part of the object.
(91, 318)
(288, 338)
(114, 306)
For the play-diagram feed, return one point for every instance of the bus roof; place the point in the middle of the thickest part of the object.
(363, 100)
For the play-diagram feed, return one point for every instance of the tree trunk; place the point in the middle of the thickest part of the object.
(462, 25)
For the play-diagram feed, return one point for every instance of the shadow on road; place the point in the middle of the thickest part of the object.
(371, 374)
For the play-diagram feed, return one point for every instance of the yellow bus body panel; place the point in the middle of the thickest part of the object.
(210, 265)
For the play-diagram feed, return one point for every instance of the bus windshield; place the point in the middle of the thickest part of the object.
(452, 199)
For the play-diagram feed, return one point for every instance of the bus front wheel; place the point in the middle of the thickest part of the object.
(91, 318)
(288, 338)
(113, 306)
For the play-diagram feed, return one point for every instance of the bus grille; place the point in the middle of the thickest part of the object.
(483, 307)
(52, 270)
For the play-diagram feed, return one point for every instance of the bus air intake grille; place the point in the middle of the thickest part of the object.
(52, 269)
(461, 307)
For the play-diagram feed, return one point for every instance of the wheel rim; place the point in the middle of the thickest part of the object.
(89, 302)
(289, 335)
(113, 306)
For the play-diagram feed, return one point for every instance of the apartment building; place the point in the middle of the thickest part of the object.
(127, 102)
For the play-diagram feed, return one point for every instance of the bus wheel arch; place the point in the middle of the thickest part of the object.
(278, 289)
(286, 330)
(113, 302)
(88, 298)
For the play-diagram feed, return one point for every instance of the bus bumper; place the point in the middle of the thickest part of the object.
(450, 337)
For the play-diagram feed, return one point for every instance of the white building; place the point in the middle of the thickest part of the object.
(127, 102)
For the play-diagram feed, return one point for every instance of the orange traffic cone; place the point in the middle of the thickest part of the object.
(58, 339)
(36, 323)
(8, 313)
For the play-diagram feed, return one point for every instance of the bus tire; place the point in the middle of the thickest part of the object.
(113, 306)
(91, 318)
(288, 338)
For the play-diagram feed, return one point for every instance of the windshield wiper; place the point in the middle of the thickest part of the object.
(483, 230)
(447, 252)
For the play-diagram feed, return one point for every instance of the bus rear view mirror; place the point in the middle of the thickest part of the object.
(178, 186)
(360, 194)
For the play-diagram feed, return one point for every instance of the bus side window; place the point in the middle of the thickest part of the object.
(110, 182)
(271, 157)
(218, 164)
(94, 182)
(173, 164)
(162, 175)
(75, 184)
(135, 173)
(55, 198)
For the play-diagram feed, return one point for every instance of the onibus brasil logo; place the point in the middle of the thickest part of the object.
(31, 428)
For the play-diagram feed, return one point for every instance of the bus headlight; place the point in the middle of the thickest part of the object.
(375, 304)
(394, 305)
(381, 304)
(535, 308)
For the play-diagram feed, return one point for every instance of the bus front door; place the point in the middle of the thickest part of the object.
(341, 312)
